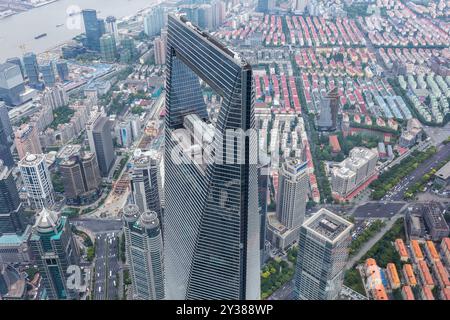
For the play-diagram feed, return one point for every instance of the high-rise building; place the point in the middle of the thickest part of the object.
(129, 46)
(94, 29)
(10, 214)
(17, 62)
(5, 140)
(5, 121)
(265, 5)
(211, 218)
(48, 73)
(55, 97)
(27, 140)
(146, 188)
(108, 47)
(299, 6)
(329, 108)
(63, 70)
(54, 250)
(103, 144)
(37, 181)
(111, 27)
(353, 173)
(263, 193)
(80, 175)
(11, 84)
(160, 51)
(218, 12)
(292, 193)
(154, 21)
(323, 252)
(144, 248)
(31, 69)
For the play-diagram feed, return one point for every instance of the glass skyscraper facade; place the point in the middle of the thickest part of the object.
(31, 68)
(323, 253)
(211, 218)
(94, 29)
(144, 251)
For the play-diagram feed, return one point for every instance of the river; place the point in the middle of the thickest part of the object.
(17, 32)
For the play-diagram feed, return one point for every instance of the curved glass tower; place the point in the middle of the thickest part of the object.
(211, 221)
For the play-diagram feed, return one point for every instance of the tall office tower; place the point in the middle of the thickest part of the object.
(63, 70)
(211, 218)
(108, 47)
(80, 175)
(265, 5)
(154, 21)
(144, 248)
(160, 51)
(11, 84)
(54, 250)
(219, 12)
(205, 16)
(55, 97)
(48, 73)
(27, 140)
(292, 193)
(5, 143)
(93, 29)
(145, 182)
(128, 44)
(5, 122)
(329, 108)
(32, 69)
(103, 145)
(17, 62)
(263, 192)
(299, 6)
(323, 251)
(10, 214)
(111, 27)
(37, 181)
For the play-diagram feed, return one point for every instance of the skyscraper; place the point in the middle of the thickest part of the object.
(154, 21)
(104, 148)
(63, 70)
(18, 62)
(10, 214)
(111, 27)
(323, 251)
(48, 73)
(80, 175)
(329, 108)
(37, 181)
(11, 84)
(108, 47)
(5, 144)
(27, 140)
(265, 6)
(5, 121)
(160, 51)
(32, 69)
(54, 250)
(292, 193)
(146, 182)
(93, 29)
(211, 219)
(55, 97)
(144, 253)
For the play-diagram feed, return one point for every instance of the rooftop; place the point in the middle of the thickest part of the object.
(444, 172)
(328, 225)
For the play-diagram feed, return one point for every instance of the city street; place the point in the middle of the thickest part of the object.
(442, 154)
(106, 267)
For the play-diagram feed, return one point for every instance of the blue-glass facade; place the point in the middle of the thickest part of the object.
(211, 219)
(94, 29)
